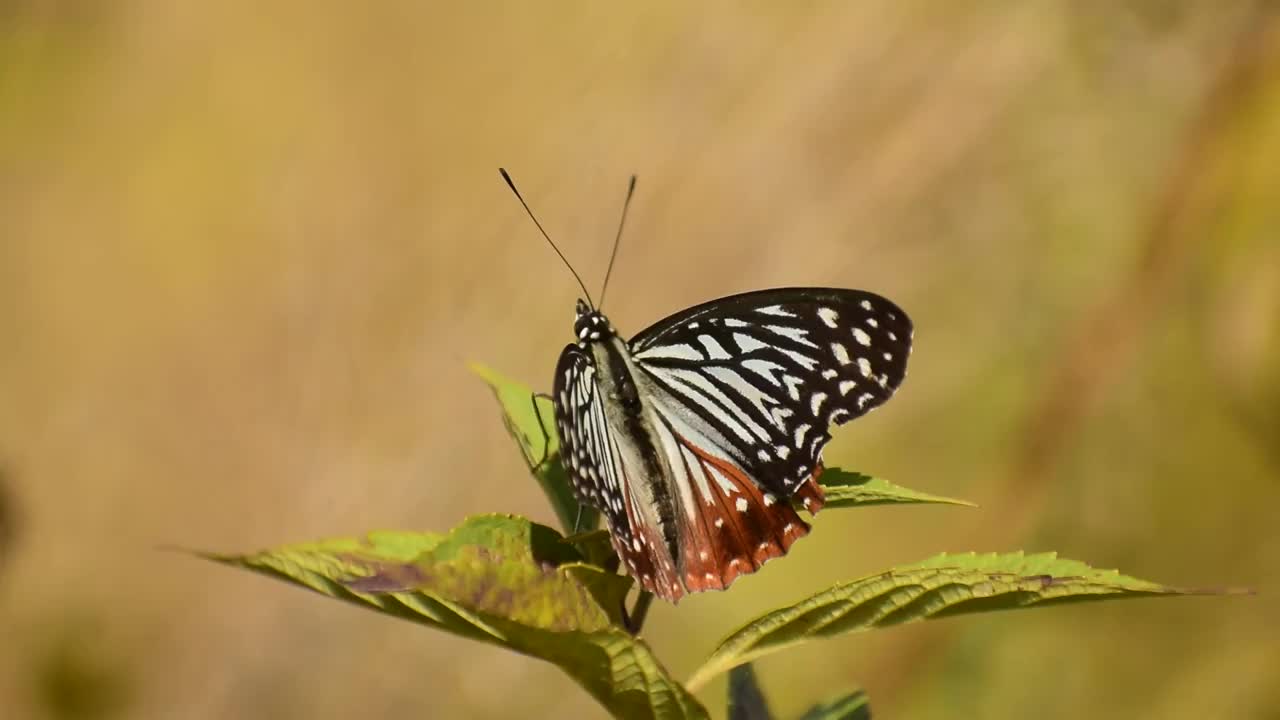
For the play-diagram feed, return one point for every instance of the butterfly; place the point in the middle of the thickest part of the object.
(698, 437)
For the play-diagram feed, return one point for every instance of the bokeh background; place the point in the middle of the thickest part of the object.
(246, 250)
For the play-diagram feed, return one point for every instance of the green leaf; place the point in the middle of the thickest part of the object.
(854, 706)
(502, 580)
(531, 421)
(938, 587)
(851, 489)
(746, 701)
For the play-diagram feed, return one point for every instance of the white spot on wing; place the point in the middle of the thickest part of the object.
(828, 316)
(800, 433)
(846, 386)
(841, 353)
(866, 304)
(815, 402)
(862, 337)
(741, 505)
(864, 367)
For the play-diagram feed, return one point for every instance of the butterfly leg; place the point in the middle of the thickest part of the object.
(546, 439)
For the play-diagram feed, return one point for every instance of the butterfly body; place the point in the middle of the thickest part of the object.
(696, 437)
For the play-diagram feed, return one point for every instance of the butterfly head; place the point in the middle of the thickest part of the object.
(589, 324)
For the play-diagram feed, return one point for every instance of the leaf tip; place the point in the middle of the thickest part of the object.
(485, 372)
(202, 554)
(1218, 591)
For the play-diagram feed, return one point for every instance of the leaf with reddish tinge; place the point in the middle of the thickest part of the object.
(499, 579)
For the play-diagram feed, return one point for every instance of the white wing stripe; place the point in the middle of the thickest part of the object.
(763, 368)
(687, 428)
(803, 361)
(670, 352)
(730, 377)
(747, 343)
(794, 333)
(715, 351)
(744, 388)
(683, 380)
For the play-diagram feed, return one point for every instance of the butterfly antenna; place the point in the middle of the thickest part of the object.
(532, 217)
(631, 189)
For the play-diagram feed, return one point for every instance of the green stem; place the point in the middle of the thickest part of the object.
(635, 618)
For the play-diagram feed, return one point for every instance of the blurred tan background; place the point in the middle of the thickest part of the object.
(246, 250)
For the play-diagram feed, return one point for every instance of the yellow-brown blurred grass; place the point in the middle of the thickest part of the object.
(245, 252)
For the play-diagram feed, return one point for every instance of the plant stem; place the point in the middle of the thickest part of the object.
(635, 618)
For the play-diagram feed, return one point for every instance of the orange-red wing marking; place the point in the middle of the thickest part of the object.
(738, 528)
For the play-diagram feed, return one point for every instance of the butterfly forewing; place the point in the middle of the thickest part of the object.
(733, 402)
(773, 370)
